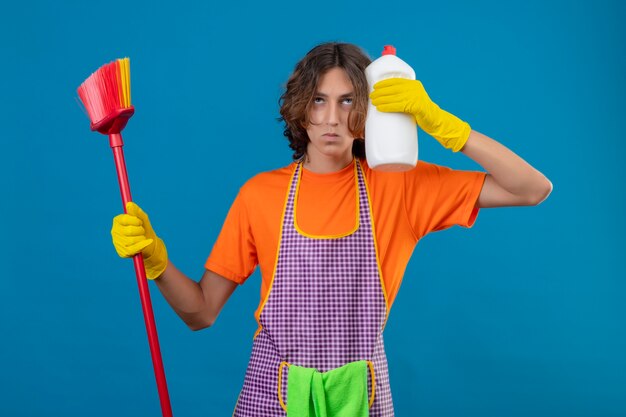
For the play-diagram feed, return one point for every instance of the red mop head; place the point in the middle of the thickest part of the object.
(106, 97)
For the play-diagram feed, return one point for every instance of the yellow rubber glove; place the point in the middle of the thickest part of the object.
(132, 233)
(400, 95)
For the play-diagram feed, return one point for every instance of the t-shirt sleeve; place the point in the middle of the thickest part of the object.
(234, 254)
(438, 197)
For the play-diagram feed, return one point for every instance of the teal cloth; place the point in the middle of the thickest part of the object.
(340, 392)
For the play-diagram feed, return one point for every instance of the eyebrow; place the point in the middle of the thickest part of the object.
(350, 94)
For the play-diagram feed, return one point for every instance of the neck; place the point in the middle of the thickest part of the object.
(326, 165)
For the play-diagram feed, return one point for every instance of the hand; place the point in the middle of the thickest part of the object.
(132, 233)
(409, 96)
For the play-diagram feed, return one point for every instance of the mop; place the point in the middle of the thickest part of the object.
(106, 97)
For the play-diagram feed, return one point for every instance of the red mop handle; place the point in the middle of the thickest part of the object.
(115, 140)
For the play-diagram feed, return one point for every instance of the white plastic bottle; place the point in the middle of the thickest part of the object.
(390, 138)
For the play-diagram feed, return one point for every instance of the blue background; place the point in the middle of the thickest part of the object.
(521, 315)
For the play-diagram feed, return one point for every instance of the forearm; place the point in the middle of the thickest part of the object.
(185, 296)
(506, 168)
(510, 180)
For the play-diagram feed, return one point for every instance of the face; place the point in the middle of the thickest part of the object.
(328, 130)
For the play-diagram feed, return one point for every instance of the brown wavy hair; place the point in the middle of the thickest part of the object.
(301, 87)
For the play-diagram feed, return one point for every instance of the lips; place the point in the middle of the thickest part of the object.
(331, 135)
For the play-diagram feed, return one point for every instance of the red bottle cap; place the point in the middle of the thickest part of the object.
(389, 50)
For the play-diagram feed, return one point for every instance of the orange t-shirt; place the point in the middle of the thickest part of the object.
(405, 207)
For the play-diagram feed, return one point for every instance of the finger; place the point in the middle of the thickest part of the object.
(137, 211)
(395, 98)
(121, 241)
(389, 82)
(127, 220)
(391, 90)
(125, 251)
(133, 231)
(133, 209)
(140, 246)
(129, 241)
(122, 252)
(121, 248)
(128, 230)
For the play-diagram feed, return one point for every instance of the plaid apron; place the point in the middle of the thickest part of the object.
(326, 307)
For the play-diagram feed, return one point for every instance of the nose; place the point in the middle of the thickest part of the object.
(332, 114)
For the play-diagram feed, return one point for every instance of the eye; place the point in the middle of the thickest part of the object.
(347, 100)
(318, 100)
